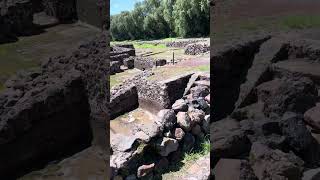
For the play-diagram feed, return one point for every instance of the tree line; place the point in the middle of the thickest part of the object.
(155, 19)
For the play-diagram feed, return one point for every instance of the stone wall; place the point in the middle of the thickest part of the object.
(15, 19)
(154, 146)
(195, 49)
(123, 99)
(68, 95)
(64, 10)
(116, 50)
(93, 12)
(143, 63)
(154, 95)
(121, 55)
(47, 122)
(175, 87)
(182, 43)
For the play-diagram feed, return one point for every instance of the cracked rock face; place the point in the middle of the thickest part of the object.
(67, 95)
(272, 107)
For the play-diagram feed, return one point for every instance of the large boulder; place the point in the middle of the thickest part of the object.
(228, 140)
(167, 118)
(233, 169)
(296, 94)
(184, 121)
(274, 164)
(145, 170)
(299, 138)
(312, 117)
(180, 105)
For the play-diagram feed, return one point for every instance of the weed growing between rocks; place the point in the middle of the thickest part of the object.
(187, 158)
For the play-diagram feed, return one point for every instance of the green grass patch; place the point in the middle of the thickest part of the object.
(149, 46)
(202, 149)
(169, 39)
(119, 77)
(175, 171)
(113, 81)
(203, 68)
(300, 21)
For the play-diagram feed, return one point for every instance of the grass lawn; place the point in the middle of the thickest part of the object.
(167, 72)
(149, 46)
(119, 77)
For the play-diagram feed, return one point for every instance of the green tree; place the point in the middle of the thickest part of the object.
(153, 19)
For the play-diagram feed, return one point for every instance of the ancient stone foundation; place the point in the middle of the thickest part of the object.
(123, 100)
(56, 111)
(144, 147)
(122, 55)
(268, 128)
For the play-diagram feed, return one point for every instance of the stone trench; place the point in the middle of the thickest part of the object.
(266, 109)
(153, 122)
(50, 114)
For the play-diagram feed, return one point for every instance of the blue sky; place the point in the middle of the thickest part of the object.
(116, 6)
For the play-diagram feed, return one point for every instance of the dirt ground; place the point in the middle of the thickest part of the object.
(235, 18)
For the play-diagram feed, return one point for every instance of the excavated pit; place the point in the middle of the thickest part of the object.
(50, 114)
(137, 136)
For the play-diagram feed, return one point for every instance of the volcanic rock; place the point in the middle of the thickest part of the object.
(274, 164)
(184, 121)
(312, 117)
(145, 169)
(180, 105)
(166, 145)
(167, 117)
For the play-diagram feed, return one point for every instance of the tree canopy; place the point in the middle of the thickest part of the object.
(154, 19)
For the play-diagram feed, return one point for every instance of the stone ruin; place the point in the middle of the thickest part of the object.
(183, 43)
(266, 109)
(173, 115)
(197, 48)
(16, 16)
(123, 57)
(56, 111)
